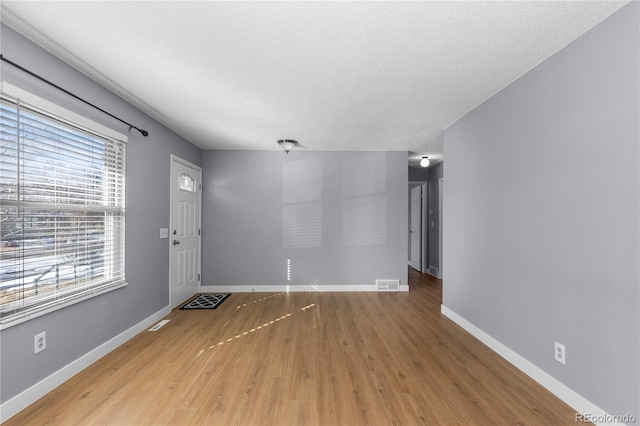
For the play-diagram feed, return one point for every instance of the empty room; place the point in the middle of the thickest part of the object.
(319, 213)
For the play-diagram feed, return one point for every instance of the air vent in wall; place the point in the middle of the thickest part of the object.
(388, 285)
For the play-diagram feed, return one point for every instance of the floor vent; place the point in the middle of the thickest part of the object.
(388, 285)
(158, 325)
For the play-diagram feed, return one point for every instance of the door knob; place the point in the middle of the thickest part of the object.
(176, 242)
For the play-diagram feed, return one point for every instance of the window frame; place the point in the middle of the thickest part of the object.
(16, 312)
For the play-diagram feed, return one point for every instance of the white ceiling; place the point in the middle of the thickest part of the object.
(333, 75)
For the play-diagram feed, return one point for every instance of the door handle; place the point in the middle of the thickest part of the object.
(176, 242)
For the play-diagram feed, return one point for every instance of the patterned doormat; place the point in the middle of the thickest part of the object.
(206, 301)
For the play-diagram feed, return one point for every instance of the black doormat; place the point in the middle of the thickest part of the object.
(206, 301)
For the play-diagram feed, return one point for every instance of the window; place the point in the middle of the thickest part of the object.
(62, 194)
(187, 183)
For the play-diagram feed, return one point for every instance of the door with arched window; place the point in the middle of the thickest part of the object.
(185, 230)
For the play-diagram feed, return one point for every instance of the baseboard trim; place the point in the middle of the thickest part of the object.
(21, 401)
(566, 394)
(308, 288)
(434, 271)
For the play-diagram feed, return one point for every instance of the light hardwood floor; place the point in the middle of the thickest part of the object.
(304, 359)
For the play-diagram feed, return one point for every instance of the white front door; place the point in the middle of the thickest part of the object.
(184, 235)
(416, 228)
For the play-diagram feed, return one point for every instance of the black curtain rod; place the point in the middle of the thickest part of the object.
(131, 126)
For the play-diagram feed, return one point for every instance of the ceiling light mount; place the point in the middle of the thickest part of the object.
(287, 144)
(424, 162)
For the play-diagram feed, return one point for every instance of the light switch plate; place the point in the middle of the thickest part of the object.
(164, 232)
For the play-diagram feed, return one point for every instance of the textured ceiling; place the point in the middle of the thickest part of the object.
(333, 75)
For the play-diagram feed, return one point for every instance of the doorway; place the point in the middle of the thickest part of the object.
(185, 232)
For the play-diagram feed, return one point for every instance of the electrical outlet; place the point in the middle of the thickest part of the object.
(40, 342)
(560, 353)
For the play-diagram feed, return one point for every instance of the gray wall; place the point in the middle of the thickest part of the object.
(76, 330)
(340, 217)
(418, 174)
(542, 211)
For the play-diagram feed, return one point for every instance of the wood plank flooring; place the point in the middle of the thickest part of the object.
(304, 359)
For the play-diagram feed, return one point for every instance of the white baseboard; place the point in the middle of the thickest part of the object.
(566, 394)
(40, 389)
(434, 271)
(308, 288)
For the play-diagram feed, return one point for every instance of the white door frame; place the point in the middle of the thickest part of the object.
(424, 263)
(176, 159)
(415, 224)
(440, 223)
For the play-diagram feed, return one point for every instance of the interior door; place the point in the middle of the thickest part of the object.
(185, 230)
(415, 232)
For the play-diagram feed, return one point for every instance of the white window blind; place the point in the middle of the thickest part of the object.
(62, 205)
